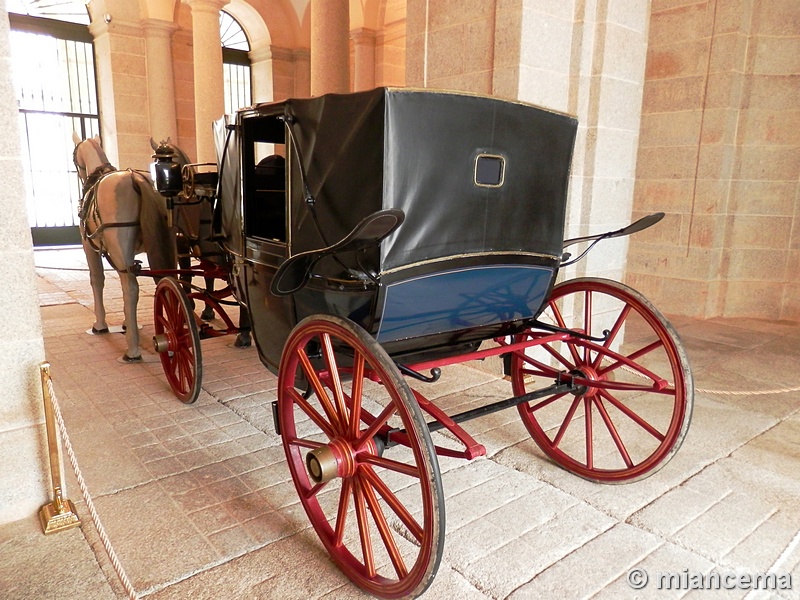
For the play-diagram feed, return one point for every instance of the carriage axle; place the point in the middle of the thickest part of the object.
(469, 415)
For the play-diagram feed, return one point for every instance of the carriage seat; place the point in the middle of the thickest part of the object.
(266, 211)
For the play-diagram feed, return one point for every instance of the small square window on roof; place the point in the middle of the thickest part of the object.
(490, 170)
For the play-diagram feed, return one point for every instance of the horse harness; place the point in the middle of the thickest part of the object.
(88, 206)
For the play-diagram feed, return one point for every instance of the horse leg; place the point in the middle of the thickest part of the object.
(130, 298)
(243, 340)
(208, 311)
(97, 278)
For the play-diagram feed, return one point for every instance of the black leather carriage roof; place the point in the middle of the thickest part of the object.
(473, 174)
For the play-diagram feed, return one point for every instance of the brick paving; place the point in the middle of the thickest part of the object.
(198, 501)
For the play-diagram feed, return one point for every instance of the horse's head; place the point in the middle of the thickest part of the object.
(89, 157)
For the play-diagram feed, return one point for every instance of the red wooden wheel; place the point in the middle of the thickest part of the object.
(378, 508)
(177, 341)
(632, 410)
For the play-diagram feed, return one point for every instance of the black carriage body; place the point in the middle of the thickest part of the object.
(482, 183)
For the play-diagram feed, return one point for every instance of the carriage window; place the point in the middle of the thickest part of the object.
(265, 180)
(489, 170)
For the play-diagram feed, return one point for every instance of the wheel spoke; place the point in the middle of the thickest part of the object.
(545, 402)
(314, 490)
(561, 323)
(612, 430)
(303, 443)
(312, 413)
(363, 529)
(335, 381)
(392, 465)
(587, 322)
(567, 420)
(182, 362)
(355, 395)
(341, 515)
(373, 428)
(633, 416)
(384, 529)
(413, 527)
(371, 526)
(658, 402)
(319, 390)
(587, 411)
(547, 370)
(612, 334)
(629, 360)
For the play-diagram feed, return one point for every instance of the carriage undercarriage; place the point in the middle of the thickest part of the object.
(360, 440)
(598, 376)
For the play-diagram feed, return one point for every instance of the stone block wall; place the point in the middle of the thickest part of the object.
(582, 58)
(122, 90)
(24, 480)
(183, 75)
(719, 155)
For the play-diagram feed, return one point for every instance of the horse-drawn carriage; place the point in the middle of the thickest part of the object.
(377, 237)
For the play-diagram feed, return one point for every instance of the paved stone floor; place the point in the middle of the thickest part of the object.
(198, 502)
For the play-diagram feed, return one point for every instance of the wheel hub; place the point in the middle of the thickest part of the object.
(586, 372)
(336, 459)
(164, 342)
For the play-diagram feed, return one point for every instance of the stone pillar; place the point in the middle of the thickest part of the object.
(24, 476)
(160, 80)
(208, 85)
(330, 47)
(364, 72)
(262, 71)
(302, 72)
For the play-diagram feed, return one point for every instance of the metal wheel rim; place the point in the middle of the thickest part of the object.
(183, 366)
(681, 379)
(422, 571)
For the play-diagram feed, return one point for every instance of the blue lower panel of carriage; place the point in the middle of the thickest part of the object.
(462, 299)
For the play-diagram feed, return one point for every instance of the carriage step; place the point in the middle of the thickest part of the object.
(275, 421)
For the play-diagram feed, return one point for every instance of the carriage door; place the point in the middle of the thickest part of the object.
(54, 80)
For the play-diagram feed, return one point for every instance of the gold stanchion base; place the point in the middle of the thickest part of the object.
(54, 520)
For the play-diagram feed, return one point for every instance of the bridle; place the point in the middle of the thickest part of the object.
(88, 180)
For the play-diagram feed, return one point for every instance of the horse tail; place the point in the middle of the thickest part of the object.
(159, 241)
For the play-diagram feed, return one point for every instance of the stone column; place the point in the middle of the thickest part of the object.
(364, 72)
(24, 474)
(263, 74)
(302, 73)
(160, 79)
(209, 98)
(330, 46)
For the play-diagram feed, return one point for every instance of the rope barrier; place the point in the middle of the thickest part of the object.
(743, 393)
(112, 555)
(79, 269)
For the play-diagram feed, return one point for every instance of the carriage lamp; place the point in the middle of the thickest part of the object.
(166, 175)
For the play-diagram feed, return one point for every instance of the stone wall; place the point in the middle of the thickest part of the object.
(24, 477)
(719, 155)
(584, 58)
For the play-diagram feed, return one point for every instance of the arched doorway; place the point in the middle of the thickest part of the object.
(235, 63)
(54, 80)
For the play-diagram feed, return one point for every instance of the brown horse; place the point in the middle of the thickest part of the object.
(121, 215)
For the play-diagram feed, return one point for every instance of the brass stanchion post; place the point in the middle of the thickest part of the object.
(59, 514)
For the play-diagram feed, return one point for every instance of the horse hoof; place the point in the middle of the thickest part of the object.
(131, 359)
(96, 331)
(207, 314)
(242, 342)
